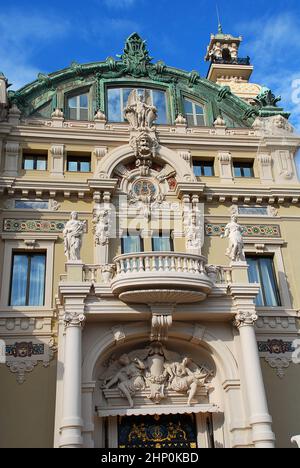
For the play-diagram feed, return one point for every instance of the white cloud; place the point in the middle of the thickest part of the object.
(273, 44)
(22, 35)
(115, 4)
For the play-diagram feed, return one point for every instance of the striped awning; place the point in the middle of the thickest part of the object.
(157, 410)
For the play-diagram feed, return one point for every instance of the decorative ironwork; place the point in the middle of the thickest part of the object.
(136, 56)
(166, 431)
(232, 61)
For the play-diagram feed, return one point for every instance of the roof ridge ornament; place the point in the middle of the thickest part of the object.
(136, 56)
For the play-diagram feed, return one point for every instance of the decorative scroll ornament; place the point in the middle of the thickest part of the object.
(136, 56)
(73, 234)
(156, 371)
(234, 232)
(247, 318)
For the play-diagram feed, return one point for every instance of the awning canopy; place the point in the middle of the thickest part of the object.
(158, 410)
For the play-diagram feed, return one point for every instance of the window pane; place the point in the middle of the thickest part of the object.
(84, 100)
(190, 120)
(237, 171)
(31, 205)
(19, 280)
(29, 163)
(197, 169)
(188, 107)
(85, 166)
(208, 170)
(41, 164)
(72, 166)
(200, 120)
(84, 114)
(159, 98)
(199, 110)
(248, 172)
(37, 280)
(73, 114)
(268, 282)
(131, 244)
(114, 106)
(254, 277)
(72, 102)
(162, 244)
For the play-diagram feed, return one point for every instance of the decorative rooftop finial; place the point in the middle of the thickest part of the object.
(136, 56)
(220, 28)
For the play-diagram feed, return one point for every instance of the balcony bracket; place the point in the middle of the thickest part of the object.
(162, 320)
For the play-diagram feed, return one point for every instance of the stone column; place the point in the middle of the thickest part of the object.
(260, 418)
(71, 429)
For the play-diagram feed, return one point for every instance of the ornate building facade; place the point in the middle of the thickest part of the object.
(149, 238)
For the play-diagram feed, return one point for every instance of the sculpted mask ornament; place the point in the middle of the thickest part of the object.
(158, 372)
(73, 234)
(234, 232)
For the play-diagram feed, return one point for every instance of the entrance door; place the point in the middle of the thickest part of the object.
(165, 431)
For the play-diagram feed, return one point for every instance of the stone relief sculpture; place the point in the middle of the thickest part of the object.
(157, 371)
(73, 234)
(139, 112)
(102, 226)
(234, 232)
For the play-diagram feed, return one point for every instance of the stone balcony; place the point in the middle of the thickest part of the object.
(162, 277)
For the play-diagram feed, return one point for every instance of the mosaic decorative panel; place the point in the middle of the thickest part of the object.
(25, 349)
(275, 347)
(33, 225)
(249, 230)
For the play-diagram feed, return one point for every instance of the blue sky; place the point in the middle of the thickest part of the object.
(42, 36)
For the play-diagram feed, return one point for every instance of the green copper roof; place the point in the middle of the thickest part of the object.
(134, 67)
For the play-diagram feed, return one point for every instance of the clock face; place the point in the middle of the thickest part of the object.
(144, 188)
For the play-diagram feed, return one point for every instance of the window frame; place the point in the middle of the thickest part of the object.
(194, 114)
(142, 243)
(258, 258)
(243, 165)
(161, 235)
(18, 242)
(142, 86)
(35, 157)
(76, 93)
(201, 164)
(78, 159)
(29, 256)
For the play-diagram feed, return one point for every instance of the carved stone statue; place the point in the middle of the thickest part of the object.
(234, 232)
(130, 378)
(183, 379)
(139, 113)
(102, 222)
(157, 371)
(73, 234)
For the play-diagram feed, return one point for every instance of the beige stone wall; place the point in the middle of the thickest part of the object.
(283, 397)
(27, 410)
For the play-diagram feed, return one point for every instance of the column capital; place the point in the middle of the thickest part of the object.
(245, 318)
(74, 319)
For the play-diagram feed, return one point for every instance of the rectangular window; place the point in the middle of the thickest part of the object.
(253, 210)
(34, 162)
(204, 168)
(194, 113)
(262, 271)
(162, 243)
(243, 169)
(79, 163)
(28, 279)
(132, 244)
(118, 98)
(31, 205)
(78, 107)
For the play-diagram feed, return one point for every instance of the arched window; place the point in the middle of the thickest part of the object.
(194, 113)
(117, 100)
(78, 107)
